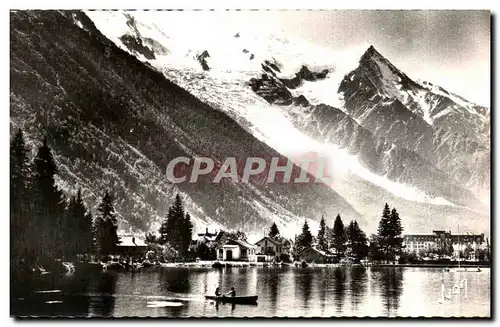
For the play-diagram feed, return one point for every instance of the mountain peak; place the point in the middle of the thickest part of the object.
(371, 52)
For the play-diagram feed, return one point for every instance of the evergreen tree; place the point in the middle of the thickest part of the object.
(374, 250)
(274, 231)
(174, 223)
(357, 241)
(162, 239)
(177, 228)
(77, 228)
(322, 242)
(20, 215)
(390, 232)
(49, 205)
(83, 226)
(339, 237)
(384, 230)
(305, 239)
(70, 230)
(106, 226)
(396, 240)
(186, 233)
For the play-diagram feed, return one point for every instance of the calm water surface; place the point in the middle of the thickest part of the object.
(283, 292)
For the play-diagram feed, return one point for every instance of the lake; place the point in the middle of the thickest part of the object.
(282, 291)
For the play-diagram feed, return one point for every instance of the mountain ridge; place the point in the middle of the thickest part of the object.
(308, 125)
(115, 123)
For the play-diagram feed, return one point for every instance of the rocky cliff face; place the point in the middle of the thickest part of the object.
(376, 122)
(115, 123)
(120, 96)
(381, 131)
(444, 129)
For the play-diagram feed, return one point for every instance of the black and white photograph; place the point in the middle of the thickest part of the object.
(171, 163)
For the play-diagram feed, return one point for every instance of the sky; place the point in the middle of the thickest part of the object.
(448, 48)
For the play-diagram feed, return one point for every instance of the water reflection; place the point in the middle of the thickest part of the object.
(339, 282)
(179, 292)
(102, 299)
(176, 280)
(391, 284)
(304, 279)
(357, 285)
(270, 283)
(322, 289)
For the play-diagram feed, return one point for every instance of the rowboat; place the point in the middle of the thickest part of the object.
(234, 299)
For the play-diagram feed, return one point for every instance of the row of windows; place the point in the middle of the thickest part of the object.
(457, 239)
(243, 251)
(265, 249)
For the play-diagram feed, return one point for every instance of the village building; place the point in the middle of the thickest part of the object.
(131, 245)
(269, 249)
(419, 243)
(313, 254)
(236, 250)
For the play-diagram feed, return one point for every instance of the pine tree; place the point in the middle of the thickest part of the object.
(396, 242)
(106, 226)
(163, 231)
(186, 233)
(83, 221)
(174, 224)
(305, 239)
(49, 205)
(385, 230)
(77, 228)
(69, 229)
(274, 231)
(339, 237)
(177, 228)
(322, 242)
(390, 232)
(20, 215)
(357, 241)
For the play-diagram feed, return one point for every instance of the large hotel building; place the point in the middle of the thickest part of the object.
(422, 242)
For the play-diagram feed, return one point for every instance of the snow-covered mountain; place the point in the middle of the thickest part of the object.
(115, 123)
(388, 138)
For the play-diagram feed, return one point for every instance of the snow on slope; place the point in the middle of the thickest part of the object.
(225, 85)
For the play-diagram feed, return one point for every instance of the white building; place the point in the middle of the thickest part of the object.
(271, 248)
(236, 250)
(419, 243)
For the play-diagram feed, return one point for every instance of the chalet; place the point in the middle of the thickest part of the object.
(315, 255)
(236, 250)
(270, 248)
(131, 245)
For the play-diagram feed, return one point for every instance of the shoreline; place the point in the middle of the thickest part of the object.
(243, 264)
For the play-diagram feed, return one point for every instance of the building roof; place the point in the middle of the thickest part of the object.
(321, 252)
(240, 243)
(272, 240)
(230, 246)
(131, 241)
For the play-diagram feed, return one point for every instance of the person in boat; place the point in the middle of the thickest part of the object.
(232, 292)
